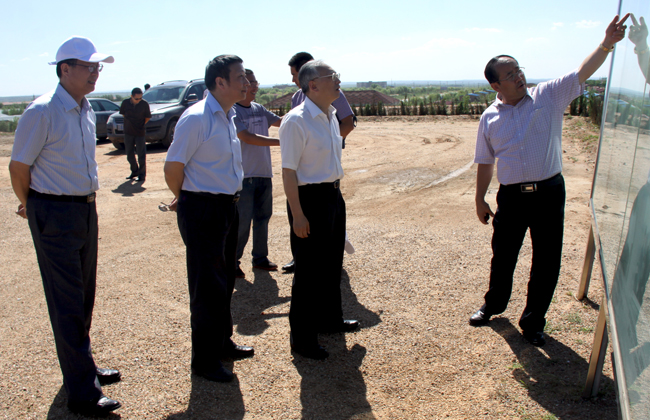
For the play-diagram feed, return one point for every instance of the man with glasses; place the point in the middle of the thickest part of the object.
(256, 200)
(344, 114)
(310, 144)
(136, 114)
(523, 130)
(54, 175)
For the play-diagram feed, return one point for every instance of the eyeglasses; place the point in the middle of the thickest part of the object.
(517, 72)
(136, 99)
(92, 68)
(336, 77)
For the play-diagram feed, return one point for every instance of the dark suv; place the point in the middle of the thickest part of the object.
(167, 102)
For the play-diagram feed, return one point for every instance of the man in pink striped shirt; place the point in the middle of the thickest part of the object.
(522, 132)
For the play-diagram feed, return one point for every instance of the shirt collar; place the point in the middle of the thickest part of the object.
(215, 107)
(499, 102)
(68, 101)
(314, 110)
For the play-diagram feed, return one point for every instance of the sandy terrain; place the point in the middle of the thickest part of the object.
(419, 271)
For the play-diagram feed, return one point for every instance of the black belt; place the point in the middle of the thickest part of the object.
(529, 187)
(90, 198)
(216, 196)
(336, 185)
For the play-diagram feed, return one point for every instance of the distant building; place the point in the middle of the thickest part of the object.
(370, 84)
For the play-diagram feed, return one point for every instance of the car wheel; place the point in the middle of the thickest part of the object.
(169, 138)
(119, 145)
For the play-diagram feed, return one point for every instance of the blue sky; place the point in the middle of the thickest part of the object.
(363, 40)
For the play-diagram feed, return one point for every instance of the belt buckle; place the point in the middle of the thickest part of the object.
(527, 188)
(90, 198)
(337, 183)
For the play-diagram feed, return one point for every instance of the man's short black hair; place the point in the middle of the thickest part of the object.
(69, 61)
(147, 86)
(298, 60)
(219, 67)
(136, 91)
(491, 68)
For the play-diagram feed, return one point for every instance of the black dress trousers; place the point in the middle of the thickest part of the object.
(316, 291)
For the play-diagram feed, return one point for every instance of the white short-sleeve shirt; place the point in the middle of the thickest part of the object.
(206, 142)
(310, 144)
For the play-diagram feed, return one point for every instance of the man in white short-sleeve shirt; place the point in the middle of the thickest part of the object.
(522, 132)
(310, 143)
(203, 169)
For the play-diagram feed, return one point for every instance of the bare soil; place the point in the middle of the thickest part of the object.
(420, 270)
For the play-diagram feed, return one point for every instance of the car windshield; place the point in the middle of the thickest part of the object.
(163, 94)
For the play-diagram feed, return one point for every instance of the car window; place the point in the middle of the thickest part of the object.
(110, 106)
(96, 106)
(164, 94)
(197, 90)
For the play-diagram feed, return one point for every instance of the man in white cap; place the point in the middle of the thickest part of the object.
(54, 175)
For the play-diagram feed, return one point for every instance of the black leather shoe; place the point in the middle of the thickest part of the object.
(219, 375)
(479, 318)
(313, 352)
(347, 325)
(237, 352)
(268, 266)
(108, 376)
(290, 267)
(99, 408)
(535, 338)
(131, 176)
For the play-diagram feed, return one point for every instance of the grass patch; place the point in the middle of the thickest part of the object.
(574, 318)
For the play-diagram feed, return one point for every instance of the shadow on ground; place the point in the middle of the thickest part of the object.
(211, 400)
(129, 188)
(59, 409)
(555, 376)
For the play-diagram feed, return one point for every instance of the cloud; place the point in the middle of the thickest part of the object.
(556, 25)
(44, 54)
(587, 24)
(490, 30)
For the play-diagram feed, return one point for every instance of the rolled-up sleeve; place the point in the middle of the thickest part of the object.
(31, 135)
(292, 142)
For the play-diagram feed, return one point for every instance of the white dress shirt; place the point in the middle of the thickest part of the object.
(56, 138)
(310, 144)
(206, 142)
(527, 138)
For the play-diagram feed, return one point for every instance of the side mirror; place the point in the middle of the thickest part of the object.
(192, 97)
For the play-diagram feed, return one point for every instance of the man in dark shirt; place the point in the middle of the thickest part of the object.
(136, 114)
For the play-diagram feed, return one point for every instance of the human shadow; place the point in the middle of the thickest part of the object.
(553, 376)
(334, 388)
(250, 301)
(129, 188)
(211, 400)
(59, 409)
(352, 308)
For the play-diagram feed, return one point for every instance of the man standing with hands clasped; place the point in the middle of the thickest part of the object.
(310, 144)
(204, 171)
(522, 130)
(54, 175)
(136, 114)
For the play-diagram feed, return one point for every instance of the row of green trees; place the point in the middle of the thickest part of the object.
(422, 106)
(9, 126)
(588, 106)
(13, 109)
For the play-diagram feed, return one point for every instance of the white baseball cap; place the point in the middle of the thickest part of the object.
(82, 49)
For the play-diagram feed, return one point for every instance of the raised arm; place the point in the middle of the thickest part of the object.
(614, 33)
(639, 37)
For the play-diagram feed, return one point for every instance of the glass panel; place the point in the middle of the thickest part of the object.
(96, 106)
(621, 203)
(110, 106)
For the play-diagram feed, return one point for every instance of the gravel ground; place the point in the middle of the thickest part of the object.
(419, 271)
